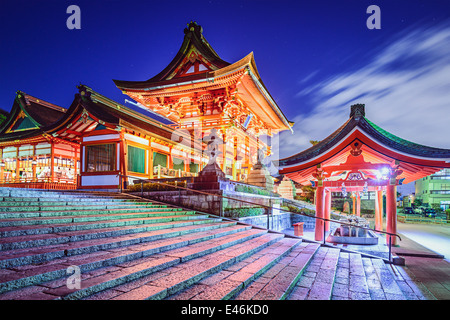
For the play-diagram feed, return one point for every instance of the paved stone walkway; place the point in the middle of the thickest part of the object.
(129, 249)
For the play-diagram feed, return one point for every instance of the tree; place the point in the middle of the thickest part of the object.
(418, 202)
(308, 193)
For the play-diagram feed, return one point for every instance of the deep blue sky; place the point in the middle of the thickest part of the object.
(298, 45)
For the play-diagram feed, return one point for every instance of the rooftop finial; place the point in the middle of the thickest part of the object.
(357, 111)
(193, 27)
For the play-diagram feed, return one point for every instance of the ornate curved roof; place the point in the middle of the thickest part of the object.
(377, 145)
(198, 68)
(194, 47)
(28, 116)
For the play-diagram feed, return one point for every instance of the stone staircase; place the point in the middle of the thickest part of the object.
(125, 247)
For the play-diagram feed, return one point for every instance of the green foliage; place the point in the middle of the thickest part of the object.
(437, 207)
(306, 211)
(243, 212)
(154, 186)
(254, 190)
(308, 192)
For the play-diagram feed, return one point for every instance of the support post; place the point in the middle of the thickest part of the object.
(354, 205)
(391, 213)
(379, 209)
(327, 209)
(358, 204)
(320, 203)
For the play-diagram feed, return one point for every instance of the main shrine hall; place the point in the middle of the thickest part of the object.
(96, 141)
(199, 91)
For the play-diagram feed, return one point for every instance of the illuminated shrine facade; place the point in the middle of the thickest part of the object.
(90, 145)
(96, 141)
(29, 154)
(361, 157)
(199, 91)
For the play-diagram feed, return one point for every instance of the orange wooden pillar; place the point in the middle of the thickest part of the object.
(320, 204)
(391, 213)
(327, 214)
(354, 204)
(52, 163)
(33, 169)
(379, 209)
(358, 204)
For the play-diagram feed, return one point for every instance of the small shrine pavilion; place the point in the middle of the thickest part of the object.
(29, 155)
(359, 157)
(198, 91)
(90, 145)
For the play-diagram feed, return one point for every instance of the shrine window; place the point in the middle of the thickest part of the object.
(101, 158)
(178, 164)
(136, 159)
(159, 159)
(193, 167)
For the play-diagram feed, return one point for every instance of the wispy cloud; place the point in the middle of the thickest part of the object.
(405, 87)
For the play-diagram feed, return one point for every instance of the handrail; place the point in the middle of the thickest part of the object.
(267, 207)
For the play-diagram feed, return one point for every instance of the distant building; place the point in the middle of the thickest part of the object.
(435, 189)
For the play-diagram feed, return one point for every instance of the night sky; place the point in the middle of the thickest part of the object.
(315, 57)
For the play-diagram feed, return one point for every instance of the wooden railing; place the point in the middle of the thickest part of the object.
(46, 183)
(163, 172)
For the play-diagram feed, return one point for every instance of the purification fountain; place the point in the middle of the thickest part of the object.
(353, 230)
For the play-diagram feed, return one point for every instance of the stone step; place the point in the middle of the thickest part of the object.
(381, 283)
(88, 210)
(123, 224)
(181, 276)
(129, 248)
(70, 205)
(279, 281)
(70, 199)
(33, 211)
(53, 237)
(39, 255)
(59, 194)
(49, 252)
(156, 215)
(317, 281)
(187, 247)
(228, 282)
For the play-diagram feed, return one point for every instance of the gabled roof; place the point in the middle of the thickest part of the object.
(194, 49)
(116, 114)
(28, 116)
(176, 80)
(90, 110)
(377, 146)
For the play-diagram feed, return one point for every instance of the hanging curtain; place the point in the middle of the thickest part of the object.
(136, 159)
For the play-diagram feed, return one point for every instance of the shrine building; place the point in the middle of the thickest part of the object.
(90, 145)
(96, 141)
(360, 157)
(199, 91)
